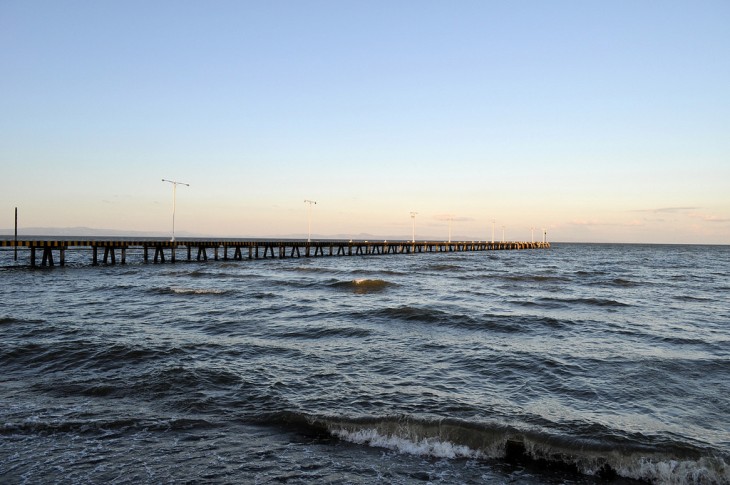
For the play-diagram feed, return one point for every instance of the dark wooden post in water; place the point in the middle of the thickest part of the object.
(159, 254)
(109, 251)
(47, 257)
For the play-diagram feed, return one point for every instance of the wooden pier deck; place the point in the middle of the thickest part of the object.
(114, 251)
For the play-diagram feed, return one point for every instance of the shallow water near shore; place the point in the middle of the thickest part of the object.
(581, 363)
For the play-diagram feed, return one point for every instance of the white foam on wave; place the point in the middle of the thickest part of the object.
(424, 447)
(706, 470)
(654, 467)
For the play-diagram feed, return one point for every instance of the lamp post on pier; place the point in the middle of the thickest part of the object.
(174, 196)
(413, 216)
(309, 218)
(15, 245)
(493, 222)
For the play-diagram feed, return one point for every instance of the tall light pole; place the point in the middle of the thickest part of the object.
(544, 235)
(502, 233)
(309, 218)
(174, 191)
(493, 221)
(413, 216)
(15, 246)
(450, 220)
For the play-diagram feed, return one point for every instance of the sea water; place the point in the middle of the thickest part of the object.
(576, 364)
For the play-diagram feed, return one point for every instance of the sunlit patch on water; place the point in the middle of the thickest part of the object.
(363, 285)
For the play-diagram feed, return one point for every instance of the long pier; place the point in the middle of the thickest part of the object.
(114, 251)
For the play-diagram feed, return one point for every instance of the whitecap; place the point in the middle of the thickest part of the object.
(423, 447)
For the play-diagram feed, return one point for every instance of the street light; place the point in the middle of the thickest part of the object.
(174, 191)
(309, 218)
(493, 221)
(413, 216)
(502, 233)
(451, 218)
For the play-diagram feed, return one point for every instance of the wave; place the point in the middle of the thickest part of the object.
(689, 298)
(53, 357)
(444, 267)
(624, 283)
(361, 286)
(325, 332)
(38, 426)
(536, 278)
(428, 447)
(605, 456)
(198, 273)
(383, 271)
(583, 273)
(487, 322)
(177, 290)
(414, 314)
(601, 302)
(28, 321)
(306, 269)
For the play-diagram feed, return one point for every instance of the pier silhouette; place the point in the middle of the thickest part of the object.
(114, 251)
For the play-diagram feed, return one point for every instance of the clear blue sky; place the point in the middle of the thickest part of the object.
(601, 121)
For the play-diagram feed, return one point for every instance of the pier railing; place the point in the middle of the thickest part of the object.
(114, 251)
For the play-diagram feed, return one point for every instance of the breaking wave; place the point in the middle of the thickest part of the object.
(363, 285)
(607, 457)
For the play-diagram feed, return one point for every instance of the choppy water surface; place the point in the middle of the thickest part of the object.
(577, 364)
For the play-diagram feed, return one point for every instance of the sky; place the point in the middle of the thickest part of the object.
(598, 121)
